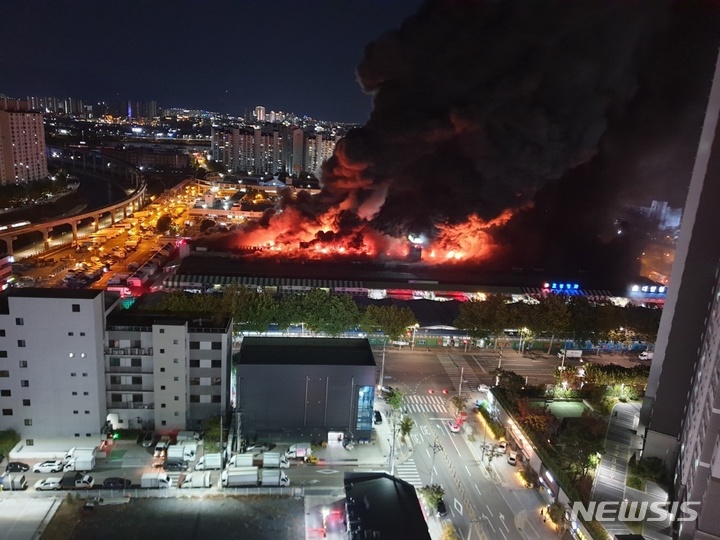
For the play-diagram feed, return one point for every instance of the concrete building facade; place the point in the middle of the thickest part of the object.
(22, 143)
(305, 389)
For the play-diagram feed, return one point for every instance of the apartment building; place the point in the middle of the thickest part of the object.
(22, 143)
(166, 373)
(680, 419)
(52, 381)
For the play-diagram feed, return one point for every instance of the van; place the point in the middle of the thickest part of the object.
(188, 436)
(161, 448)
(512, 458)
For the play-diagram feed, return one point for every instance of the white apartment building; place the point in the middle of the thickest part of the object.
(73, 360)
(52, 381)
(166, 373)
(22, 144)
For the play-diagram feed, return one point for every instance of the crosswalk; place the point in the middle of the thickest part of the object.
(408, 471)
(425, 404)
(456, 366)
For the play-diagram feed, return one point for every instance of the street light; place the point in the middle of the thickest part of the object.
(412, 343)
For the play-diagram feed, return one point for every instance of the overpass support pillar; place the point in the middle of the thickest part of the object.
(112, 216)
(74, 230)
(124, 211)
(96, 217)
(8, 244)
(46, 236)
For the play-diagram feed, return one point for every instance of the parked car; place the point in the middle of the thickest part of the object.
(175, 466)
(512, 458)
(483, 388)
(453, 426)
(502, 446)
(116, 483)
(148, 438)
(48, 484)
(260, 447)
(17, 466)
(48, 467)
(441, 510)
(378, 417)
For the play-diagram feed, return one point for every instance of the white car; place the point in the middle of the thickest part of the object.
(48, 484)
(453, 427)
(48, 466)
(483, 388)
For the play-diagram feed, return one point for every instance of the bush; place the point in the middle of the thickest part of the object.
(496, 427)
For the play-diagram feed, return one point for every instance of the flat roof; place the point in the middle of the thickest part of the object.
(38, 292)
(195, 321)
(302, 351)
(385, 504)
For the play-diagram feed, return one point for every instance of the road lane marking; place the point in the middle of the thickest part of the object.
(486, 506)
(505, 537)
(478, 490)
(458, 506)
(468, 471)
(502, 520)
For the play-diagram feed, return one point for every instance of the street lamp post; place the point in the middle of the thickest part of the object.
(412, 343)
(462, 372)
(382, 368)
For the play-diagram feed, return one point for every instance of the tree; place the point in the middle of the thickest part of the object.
(163, 223)
(488, 318)
(460, 402)
(206, 225)
(8, 439)
(323, 312)
(394, 398)
(390, 320)
(406, 426)
(551, 316)
(212, 434)
(432, 495)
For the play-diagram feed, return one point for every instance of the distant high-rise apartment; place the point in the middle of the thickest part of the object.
(680, 418)
(260, 113)
(22, 143)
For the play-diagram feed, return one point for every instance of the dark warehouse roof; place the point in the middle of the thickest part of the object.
(299, 351)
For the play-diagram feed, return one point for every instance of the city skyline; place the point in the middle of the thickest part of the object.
(285, 55)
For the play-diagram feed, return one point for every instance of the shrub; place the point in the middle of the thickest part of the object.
(496, 427)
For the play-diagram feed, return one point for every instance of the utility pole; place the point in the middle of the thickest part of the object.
(382, 368)
(462, 372)
(392, 449)
(435, 447)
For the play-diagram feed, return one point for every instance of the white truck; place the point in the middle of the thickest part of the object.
(241, 460)
(76, 450)
(181, 452)
(80, 462)
(188, 436)
(273, 460)
(570, 353)
(646, 355)
(254, 476)
(209, 462)
(161, 447)
(155, 480)
(299, 450)
(196, 480)
(77, 481)
(13, 482)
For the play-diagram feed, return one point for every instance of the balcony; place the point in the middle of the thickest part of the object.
(128, 388)
(129, 405)
(147, 370)
(128, 351)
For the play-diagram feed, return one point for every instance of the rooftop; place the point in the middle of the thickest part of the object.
(299, 351)
(121, 318)
(380, 502)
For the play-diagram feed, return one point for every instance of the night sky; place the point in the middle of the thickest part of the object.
(222, 55)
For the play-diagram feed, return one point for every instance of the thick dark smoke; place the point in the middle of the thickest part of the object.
(478, 104)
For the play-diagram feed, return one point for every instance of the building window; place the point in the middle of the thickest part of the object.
(194, 398)
(28, 422)
(175, 360)
(116, 398)
(114, 362)
(74, 393)
(162, 370)
(175, 341)
(194, 363)
(24, 383)
(23, 363)
(30, 442)
(162, 330)
(136, 362)
(75, 412)
(5, 393)
(88, 434)
(19, 321)
(136, 380)
(2, 332)
(84, 374)
(7, 412)
(177, 398)
(21, 342)
(73, 374)
(366, 396)
(137, 398)
(82, 333)
(26, 402)
(86, 393)
(76, 308)
(162, 387)
(216, 399)
(77, 434)
(176, 379)
(177, 414)
(216, 346)
(195, 345)
(114, 379)
(4, 373)
(87, 412)
(163, 422)
(217, 363)
(216, 381)
(162, 405)
(71, 334)
(162, 351)
(3, 354)
(194, 381)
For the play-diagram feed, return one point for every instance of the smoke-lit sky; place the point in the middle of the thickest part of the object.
(221, 55)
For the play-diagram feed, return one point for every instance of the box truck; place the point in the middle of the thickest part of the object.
(181, 452)
(272, 460)
(196, 480)
(208, 462)
(299, 450)
(188, 436)
(76, 481)
(570, 353)
(80, 462)
(13, 482)
(253, 476)
(77, 450)
(155, 480)
(241, 460)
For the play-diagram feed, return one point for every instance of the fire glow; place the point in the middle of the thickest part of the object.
(290, 235)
